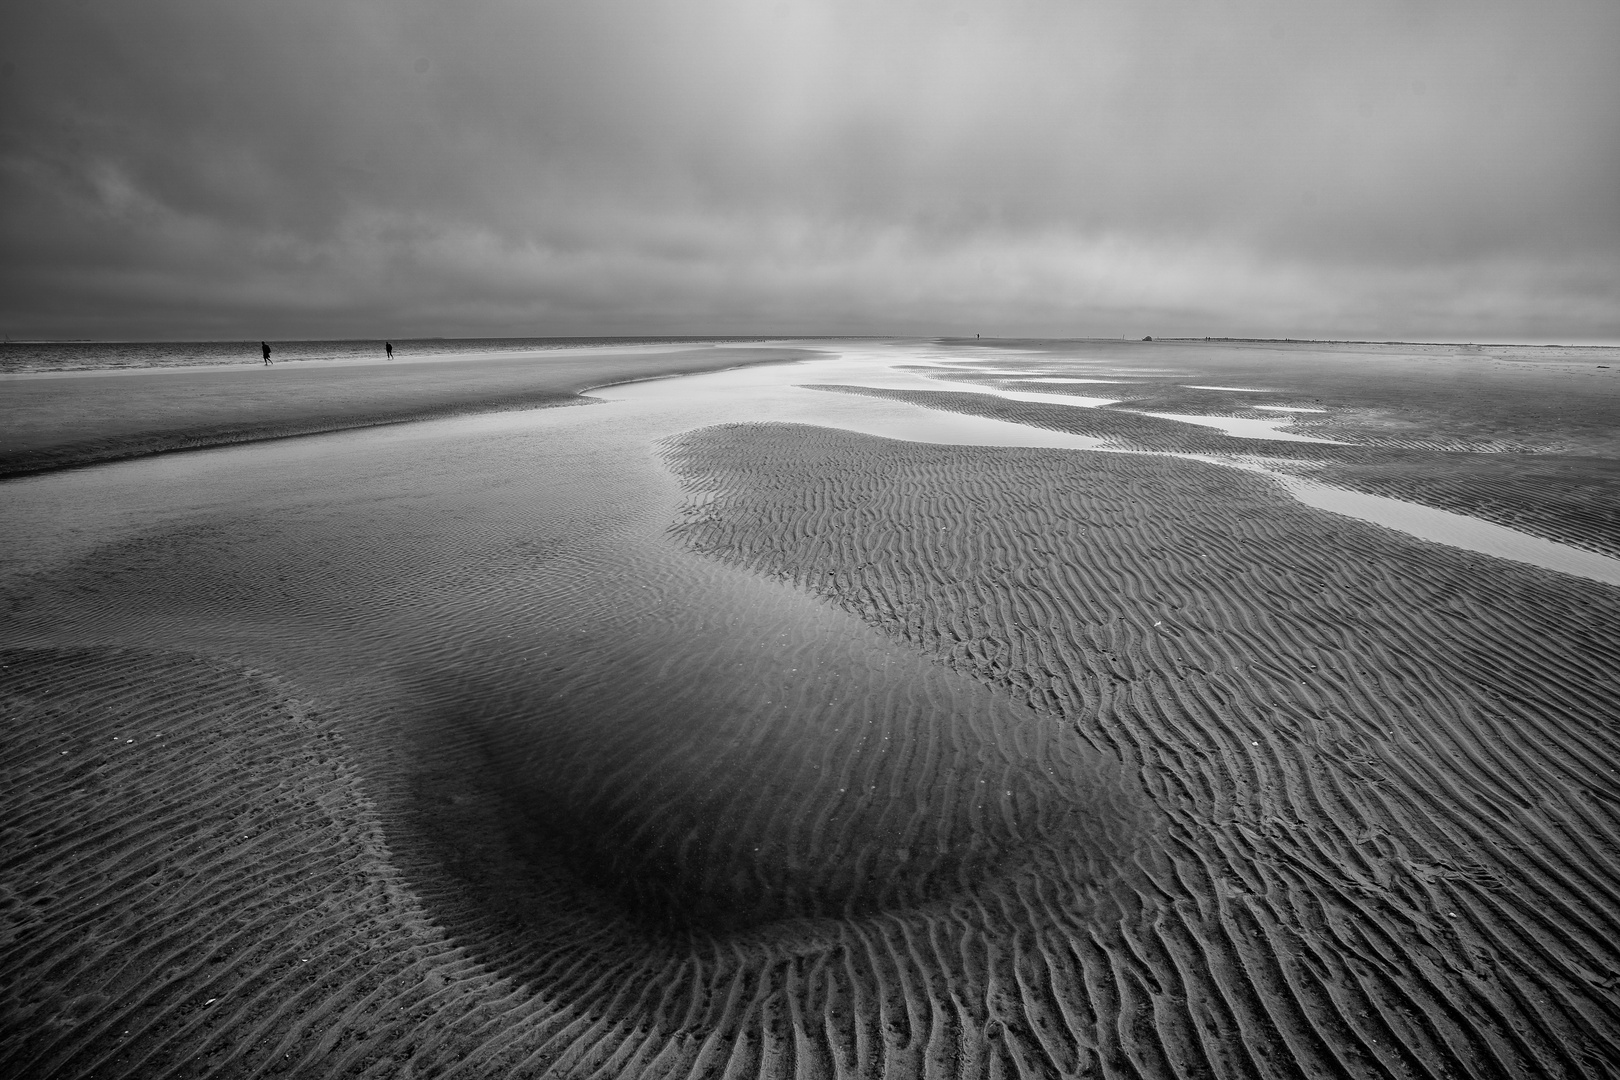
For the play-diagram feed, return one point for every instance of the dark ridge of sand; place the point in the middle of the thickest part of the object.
(1574, 500)
(85, 419)
(1386, 767)
(1571, 499)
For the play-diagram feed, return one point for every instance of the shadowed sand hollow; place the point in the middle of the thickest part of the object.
(869, 783)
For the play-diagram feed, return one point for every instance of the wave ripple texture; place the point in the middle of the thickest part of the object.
(1385, 767)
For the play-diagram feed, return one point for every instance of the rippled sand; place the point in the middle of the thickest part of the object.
(847, 740)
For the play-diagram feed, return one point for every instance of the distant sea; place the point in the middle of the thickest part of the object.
(27, 356)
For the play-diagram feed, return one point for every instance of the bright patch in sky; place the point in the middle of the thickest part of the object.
(1389, 169)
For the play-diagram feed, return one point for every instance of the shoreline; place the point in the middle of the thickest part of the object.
(167, 356)
(50, 422)
(306, 362)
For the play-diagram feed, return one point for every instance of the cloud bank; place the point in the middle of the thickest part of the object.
(1420, 169)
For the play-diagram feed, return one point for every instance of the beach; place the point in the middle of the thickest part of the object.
(888, 708)
(52, 420)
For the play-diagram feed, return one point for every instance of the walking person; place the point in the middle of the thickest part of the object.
(389, 345)
(266, 347)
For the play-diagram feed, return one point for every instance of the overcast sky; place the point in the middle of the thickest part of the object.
(1421, 169)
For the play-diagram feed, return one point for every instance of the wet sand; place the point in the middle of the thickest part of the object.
(632, 740)
(87, 417)
(1549, 492)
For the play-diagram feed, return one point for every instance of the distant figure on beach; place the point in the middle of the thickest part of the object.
(389, 345)
(266, 347)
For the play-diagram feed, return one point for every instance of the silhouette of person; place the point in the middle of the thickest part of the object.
(389, 345)
(266, 347)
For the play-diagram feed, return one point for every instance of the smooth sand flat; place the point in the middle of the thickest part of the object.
(82, 418)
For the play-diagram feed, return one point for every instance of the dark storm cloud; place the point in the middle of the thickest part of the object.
(620, 166)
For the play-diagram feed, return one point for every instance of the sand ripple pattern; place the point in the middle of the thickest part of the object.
(194, 885)
(1571, 499)
(736, 843)
(1386, 768)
